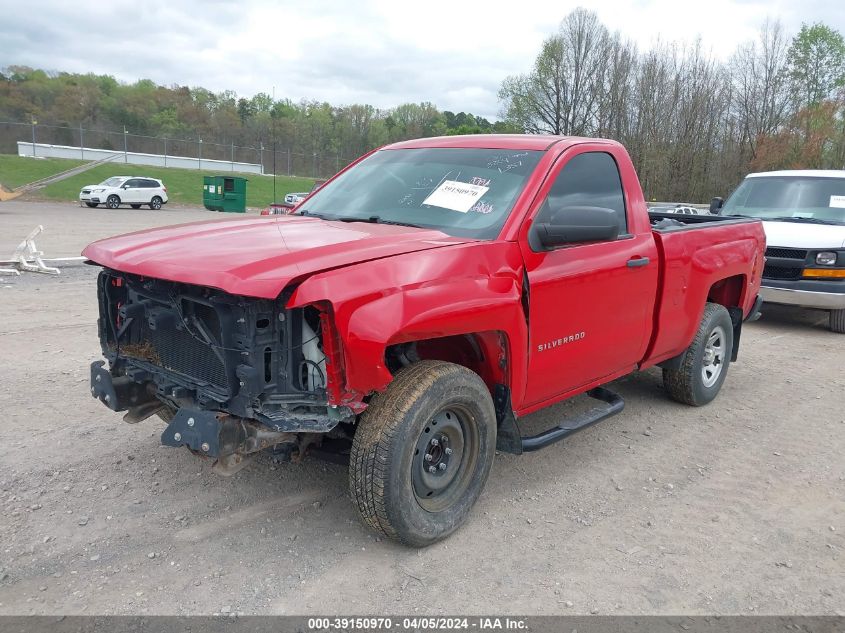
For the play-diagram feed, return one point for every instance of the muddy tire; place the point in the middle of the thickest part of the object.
(705, 362)
(422, 452)
(837, 321)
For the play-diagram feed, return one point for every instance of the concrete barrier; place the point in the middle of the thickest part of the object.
(44, 150)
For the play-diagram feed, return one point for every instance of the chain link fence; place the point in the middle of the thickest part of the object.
(279, 160)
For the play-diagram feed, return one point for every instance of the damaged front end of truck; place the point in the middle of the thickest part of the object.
(231, 375)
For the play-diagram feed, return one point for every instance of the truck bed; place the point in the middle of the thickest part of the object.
(701, 258)
(690, 221)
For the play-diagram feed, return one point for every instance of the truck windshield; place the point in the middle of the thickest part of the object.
(790, 199)
(463, 192)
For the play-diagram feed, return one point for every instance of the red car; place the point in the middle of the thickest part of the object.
(414, 308)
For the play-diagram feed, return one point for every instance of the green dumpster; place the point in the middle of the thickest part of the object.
(224, 193)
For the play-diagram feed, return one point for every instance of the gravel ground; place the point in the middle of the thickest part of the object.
(734, 508)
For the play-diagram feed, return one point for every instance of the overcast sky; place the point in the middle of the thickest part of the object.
(453, 53)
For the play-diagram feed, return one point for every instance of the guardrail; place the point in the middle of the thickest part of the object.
(43, 150)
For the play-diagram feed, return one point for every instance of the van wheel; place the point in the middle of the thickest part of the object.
(837, 321)
(155, 203)
(706, 360)
(112, 202)
(422, 452)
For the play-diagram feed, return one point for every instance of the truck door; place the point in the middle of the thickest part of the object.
(590, 304)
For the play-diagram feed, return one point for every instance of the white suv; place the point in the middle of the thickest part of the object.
(130, 190)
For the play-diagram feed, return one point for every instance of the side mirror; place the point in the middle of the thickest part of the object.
(573, 225)
(716, 205)
(124, 186)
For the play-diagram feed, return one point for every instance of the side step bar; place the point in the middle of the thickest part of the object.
(574, 424)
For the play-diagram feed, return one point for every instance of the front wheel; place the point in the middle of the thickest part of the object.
(112, 202)
(705, 363)
(422, 452)
(837, 321)
(155, 203)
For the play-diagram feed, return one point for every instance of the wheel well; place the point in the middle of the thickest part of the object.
(728, 292)
(485, 353)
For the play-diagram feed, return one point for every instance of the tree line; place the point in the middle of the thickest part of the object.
(694, 125)
(101, 103)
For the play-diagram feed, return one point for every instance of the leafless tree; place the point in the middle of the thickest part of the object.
(691, 124)
(561, 95)
(760, 76)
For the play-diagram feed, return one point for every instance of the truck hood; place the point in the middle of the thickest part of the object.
(803, 235)
(257, 257)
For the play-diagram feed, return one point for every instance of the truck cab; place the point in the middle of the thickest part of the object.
(803, 213)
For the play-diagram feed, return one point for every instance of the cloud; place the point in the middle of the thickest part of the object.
(454, 54)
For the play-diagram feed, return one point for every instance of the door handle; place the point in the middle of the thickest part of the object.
(636, 262)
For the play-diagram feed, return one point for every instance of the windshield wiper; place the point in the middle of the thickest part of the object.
(309, 214)
(802, 220)
(374, 219)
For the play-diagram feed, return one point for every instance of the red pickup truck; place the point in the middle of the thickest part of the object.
(414, 308)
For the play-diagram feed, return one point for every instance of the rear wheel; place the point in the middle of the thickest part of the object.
(837, 321)
(112, 202)
(155, 203)
(91, 204)
(422, 452)
(705, 363)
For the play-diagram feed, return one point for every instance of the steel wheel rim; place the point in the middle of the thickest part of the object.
(713, 360)
(448, 444)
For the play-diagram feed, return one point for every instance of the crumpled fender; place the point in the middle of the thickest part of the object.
(471, 287)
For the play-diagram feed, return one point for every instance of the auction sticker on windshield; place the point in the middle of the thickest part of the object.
(837, 201)
(456, 196)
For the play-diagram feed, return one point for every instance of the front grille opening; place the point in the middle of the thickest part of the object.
(781, 272)
(185, 353)
(786, 253)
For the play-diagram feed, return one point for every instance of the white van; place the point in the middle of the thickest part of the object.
(803, 213)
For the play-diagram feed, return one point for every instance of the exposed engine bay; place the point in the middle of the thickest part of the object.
(233, 375)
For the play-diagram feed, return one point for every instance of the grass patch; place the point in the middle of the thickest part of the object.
(18, 170)
(184, 186)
